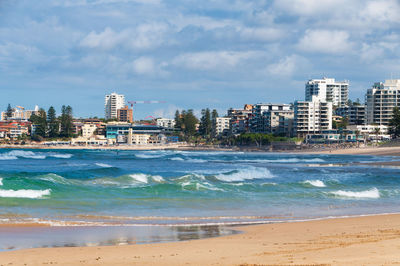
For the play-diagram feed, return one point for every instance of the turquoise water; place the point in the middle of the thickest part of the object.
(94, 187)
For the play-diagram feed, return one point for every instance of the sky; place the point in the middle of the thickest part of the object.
(190, 54)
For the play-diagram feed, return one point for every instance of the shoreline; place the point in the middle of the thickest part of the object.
(367, 240)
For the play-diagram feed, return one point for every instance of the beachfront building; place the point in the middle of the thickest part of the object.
(88, 130)
(239, 119)
(20, 114)
(272, 118)
(312, 117)
(165, 122)
(380, 100)
(221, 126)
(328, 90)
(125, 114)
(354, 113)
(112, 103)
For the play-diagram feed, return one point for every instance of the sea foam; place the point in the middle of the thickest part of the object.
(1, 181)
(24, 193)
(104, 165)
(315, 183)
(143, 178)
(372, 194)
(245, 174)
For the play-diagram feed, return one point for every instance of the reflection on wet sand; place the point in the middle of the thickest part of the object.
(35, 237)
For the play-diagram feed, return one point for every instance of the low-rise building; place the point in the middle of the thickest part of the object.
(88, 130)
(125, 114)
(165, 122)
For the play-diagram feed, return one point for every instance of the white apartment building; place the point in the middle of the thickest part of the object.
(221, 126)
(139, 139)
(165, 122)
(311, 117)
(328, 90)
(112, 103)
(380, 100)
(88, 130)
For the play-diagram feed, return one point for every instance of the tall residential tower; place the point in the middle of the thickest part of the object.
(112, 103)
(328, 90)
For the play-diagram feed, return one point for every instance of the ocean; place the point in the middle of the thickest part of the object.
(160, 196)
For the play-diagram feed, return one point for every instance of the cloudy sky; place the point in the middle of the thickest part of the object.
(191, 54)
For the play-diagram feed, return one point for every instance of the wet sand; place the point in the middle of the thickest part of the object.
(384, 151)
(370, 240)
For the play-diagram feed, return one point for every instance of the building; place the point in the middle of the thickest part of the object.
(380, 100)
(112, 103)
(20, 114)
(165, 122)
(240, 119)
(14, 130)
(354, 113)
(372, 132)
(311, 117)
(125, 114)
(88, 130)
(221, 126)
(328, 90)
(272, 118)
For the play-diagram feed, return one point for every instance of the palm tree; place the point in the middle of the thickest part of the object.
(377, 130)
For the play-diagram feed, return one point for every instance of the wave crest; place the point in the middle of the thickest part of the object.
(24, 193)
(315, 183)
(245, 174)
(372, 194)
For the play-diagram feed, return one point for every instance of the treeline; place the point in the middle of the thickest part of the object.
(50, 126)
(187, 122)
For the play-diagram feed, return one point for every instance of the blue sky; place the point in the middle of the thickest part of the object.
(191, 54)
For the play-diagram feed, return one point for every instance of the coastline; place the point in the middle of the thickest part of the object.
(365, 240)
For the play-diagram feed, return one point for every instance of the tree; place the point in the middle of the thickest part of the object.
(394, 123)
(66, 120)
(205, 123)
(189, 122)
(178, 119)
(343, 123)
(53, 123)
(214, 114)
(40, 123)
(377, 130)
(9, 111)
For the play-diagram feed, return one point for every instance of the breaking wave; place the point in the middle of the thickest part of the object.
(372, 194)
(143, 178)
(15, 154)
(24, 193)
(315, 183)
(104, 165)
(245, 174)
(1, 181)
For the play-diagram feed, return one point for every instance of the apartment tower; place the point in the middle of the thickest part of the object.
(113, 102)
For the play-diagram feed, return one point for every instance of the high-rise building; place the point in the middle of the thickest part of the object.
(112, 103)
(380, 100)
(125, 114)
(354, 113)
(329, 90)
(311, 117)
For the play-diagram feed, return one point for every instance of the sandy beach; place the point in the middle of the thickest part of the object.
(369, 240)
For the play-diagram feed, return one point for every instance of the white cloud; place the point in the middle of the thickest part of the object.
(212, 60)
(325, 41)
(310, 7)
(144, 65)
(261, 34)
(144, 36)
(287, 66)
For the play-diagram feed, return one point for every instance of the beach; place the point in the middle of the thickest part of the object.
(294, 199)
(370, 240)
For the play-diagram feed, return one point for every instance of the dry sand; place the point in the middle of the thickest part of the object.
(372, 240)
(384, 151)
